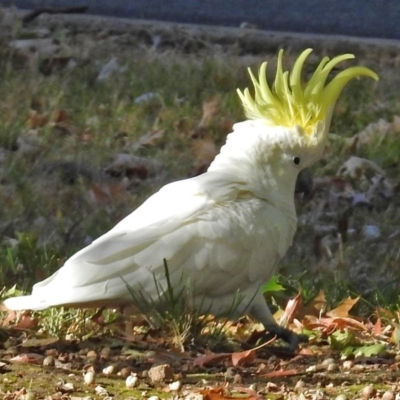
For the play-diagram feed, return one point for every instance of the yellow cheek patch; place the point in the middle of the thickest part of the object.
(289, 102)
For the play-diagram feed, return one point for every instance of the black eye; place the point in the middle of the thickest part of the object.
(296, 160)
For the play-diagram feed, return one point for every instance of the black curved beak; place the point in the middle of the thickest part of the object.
(304, 183)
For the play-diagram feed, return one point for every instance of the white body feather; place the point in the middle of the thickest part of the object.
(224, 230)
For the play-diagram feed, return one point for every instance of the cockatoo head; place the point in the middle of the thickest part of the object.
(300, 112)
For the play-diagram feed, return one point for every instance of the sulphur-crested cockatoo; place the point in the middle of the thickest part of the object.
(222, 232)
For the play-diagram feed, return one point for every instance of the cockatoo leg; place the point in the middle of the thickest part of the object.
(262, 313)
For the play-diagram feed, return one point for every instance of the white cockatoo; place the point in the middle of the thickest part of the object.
(222, 232)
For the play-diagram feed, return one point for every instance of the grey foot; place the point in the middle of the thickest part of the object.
(291, 338)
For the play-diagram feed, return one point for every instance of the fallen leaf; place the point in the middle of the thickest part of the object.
(150, 139)
(210, 111)
(243, 357)
(107, 192)
(292, 306)
(219, 394)
(330, 325)
(357, 168)
(60, 116)
(211, 359)
(281, 373)
(37, 120)
(343, 309)
(204, 151)
(28, 358)
(39, 342)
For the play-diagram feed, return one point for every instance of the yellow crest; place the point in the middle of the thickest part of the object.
(289, 102)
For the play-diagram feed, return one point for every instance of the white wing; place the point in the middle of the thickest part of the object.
(208, 230)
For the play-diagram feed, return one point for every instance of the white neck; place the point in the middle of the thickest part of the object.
(249, 159)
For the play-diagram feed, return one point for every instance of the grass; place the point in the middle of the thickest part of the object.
(48, 219)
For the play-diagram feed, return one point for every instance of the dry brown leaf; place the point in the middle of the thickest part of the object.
(357, 168)
(377, 328)
(281, 373)
(34, 342)
(319, 302)
(329, 325)
(219, 394)
(343, 309)
(28, 358)
(243, 357)
(60, 116)
(108, 192)
(204, 151)
(26, 322)
(210, 359)
(37, 120)
(292, 306)
(151, 139)
(210, 111)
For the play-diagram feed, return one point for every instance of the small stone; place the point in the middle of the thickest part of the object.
(328, 361)
(107, 371)
(48, 361)
(145, 374)
(388, 396)
(105, 353)
(101, 391)
(332, 367)
(237, 379)
(125, 372)
(131, 381)
(271, 387)
(89, 377)
(91, 355)
(175, 386)
(153, 398)
(341, 397)
(348, 364)
(161, 373)
(194, 396)
(30, 395)
(230, 372)
(299, 385)
(368, 392)
(311, 368)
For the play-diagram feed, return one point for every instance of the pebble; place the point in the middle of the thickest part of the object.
(131, 381)
(368, 392)
(105, 353)
(300, 385)
(125, 372)
(101, 391)
(230, 372)
(48, 361)
(328, 361)
(332, 368)
(341, 397)
(160, 373)
(153, 398)
(108, 370)
(29, 395)
(89, 377)
(175, 386)
(388, 396)
(237, 379)
(348, 364)
(194, 396)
